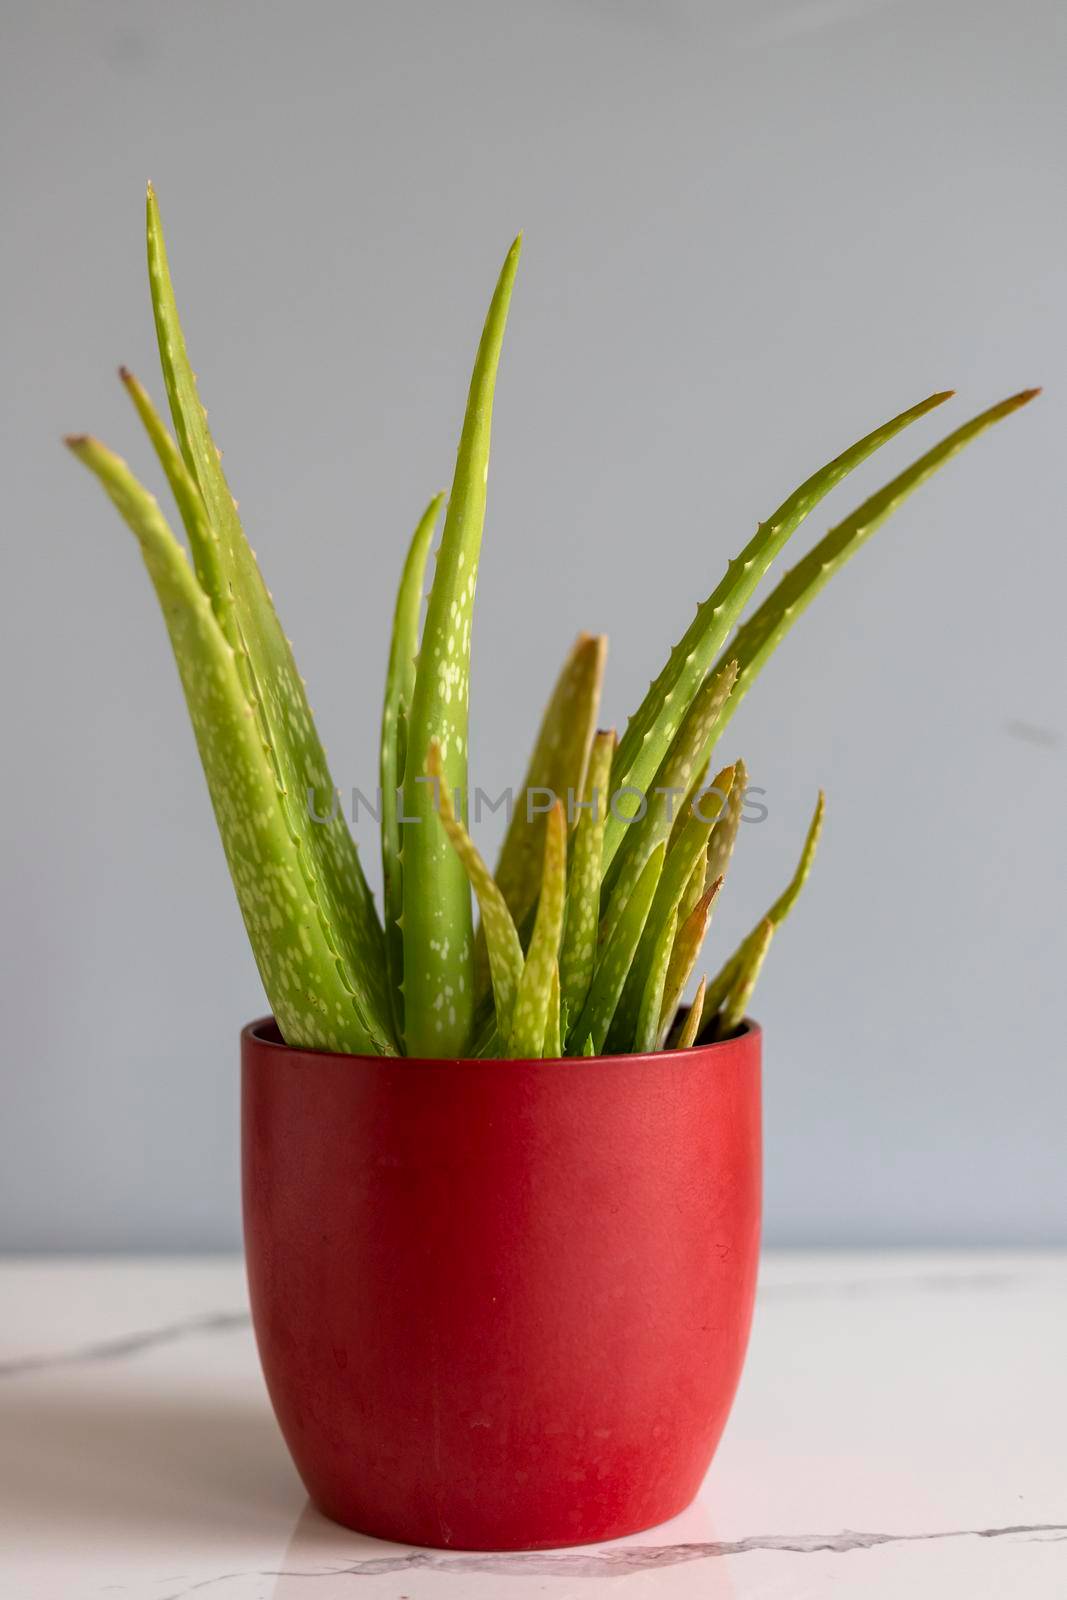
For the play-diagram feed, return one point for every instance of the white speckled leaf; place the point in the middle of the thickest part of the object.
(203, 540)
(686, 849)
(671, 784)
(438, 924)
(670, 907)
(724, 834)
(558, 764)
(578, 953)
(651, 728)
(646, 1035)
(304, 978)
(710, 798)
(694, 889)
(399, 685)
(526, 1038)
(610, 975)
(688, 943)
(505, 952)
(759, 637)
(331, 864)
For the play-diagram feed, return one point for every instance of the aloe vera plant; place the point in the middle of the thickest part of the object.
(593, 921)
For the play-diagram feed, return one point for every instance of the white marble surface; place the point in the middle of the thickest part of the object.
(901, 1431)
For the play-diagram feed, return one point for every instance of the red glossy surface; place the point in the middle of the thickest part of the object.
(501, 1305)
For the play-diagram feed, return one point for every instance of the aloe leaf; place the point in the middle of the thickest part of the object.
(646, 1035)
(308, 983)
(578, 952)
(609, 977)
(553, 1046)
(526, 1038)
(736, 1003)
(505, 951)
(686, 849)
(652, 727)
(683, 956)
(556, 770)
(670, 907)
(689, 1028)
(399, 685)
(758, 638)
(438, 926)
(722, 985)
(329, 851)
(710, 797)
(203, 540)
(724, 833)
(694, 889)
(672, 779)
(557, 766)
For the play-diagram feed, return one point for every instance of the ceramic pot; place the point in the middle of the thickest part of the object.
(501, 1304)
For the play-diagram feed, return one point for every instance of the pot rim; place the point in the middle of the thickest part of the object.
(258, 1033)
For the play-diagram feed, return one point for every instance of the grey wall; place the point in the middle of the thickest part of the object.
(752, 232)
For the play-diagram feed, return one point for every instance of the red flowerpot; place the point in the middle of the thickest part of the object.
(501, 1304)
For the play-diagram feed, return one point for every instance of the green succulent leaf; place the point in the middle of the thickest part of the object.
(271, 678)
(725, 982)
(672, 779)
(609, 977)
(555, 1023)
(651, 728)
(311, 989)
(758, 638)
(724, 834)
(541, 972)
(694, 889)
(203, 540)
(686, 849)
(670, 908)
(708, 798)
(557, 769)
(685, 951)
(593, 924)
(688, 1032)
(438, 925)
(505, 952)
(578, 953)
(646, 1035)
(399, 686)
(736, 1003)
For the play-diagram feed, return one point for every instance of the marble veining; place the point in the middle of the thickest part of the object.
(922, 1393)
(626, 1559)
(225, 1321)
(131, 1344)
